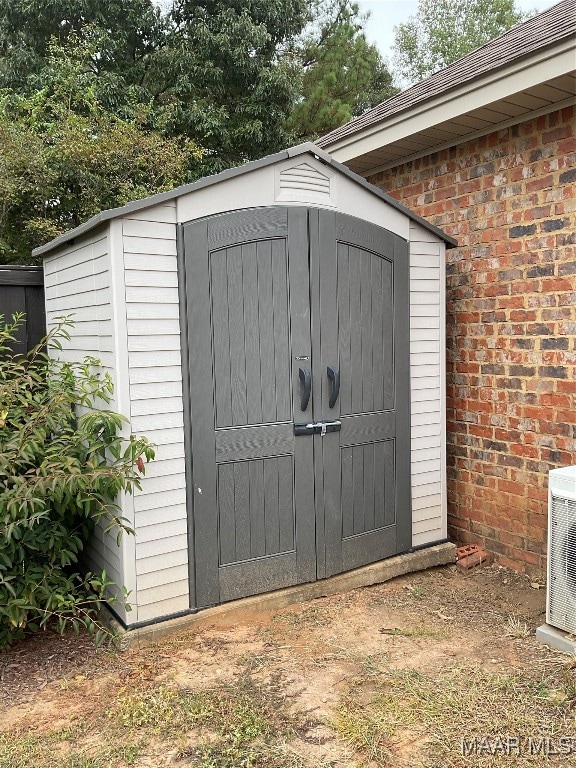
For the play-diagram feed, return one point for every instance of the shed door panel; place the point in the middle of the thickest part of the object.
(248, 310)
(364, 333)
(268, 292)
(249, 285)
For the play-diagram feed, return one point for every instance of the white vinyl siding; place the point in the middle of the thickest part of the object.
(156, 409)
(78, 283)
(427, 386)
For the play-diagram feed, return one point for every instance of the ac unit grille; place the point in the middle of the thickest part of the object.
(562, 564)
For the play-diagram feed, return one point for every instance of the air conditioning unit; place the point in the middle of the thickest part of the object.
(561, 594)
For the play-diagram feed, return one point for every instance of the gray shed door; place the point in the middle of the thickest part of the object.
(279, 301)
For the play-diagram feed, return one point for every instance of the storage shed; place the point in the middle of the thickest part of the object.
(277, 331)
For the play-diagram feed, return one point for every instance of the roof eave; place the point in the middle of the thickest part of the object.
(524, 72)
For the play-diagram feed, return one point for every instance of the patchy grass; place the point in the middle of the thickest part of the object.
(247, 756)
(256, 661)
(242, 709)
(57, 752)
(416, 719)
(241, 724)
(310, 615)
(515, 627)
(246, 722)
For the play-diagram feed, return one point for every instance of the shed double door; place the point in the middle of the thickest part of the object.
(296, 322)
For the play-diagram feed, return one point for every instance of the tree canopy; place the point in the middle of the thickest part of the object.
(232, 82)
(443, 31)
(342, 74)
(210, 71)
(64, 157)
(130, 32)
(104, 101)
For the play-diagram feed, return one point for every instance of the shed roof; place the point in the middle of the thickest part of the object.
(301, 149)
(542, 31)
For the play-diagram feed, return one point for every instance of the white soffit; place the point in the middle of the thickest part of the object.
(521, 77)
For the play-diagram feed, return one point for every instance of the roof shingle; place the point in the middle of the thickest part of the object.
(541, 31)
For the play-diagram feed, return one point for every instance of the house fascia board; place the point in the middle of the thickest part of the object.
(450, 104)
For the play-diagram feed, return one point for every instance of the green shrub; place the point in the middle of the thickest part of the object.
(62, 464)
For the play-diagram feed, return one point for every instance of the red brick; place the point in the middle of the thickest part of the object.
(560, 401)
(557, 284)
(541, 183)
(568, 417)
(563, 132)
(520, 449)
(516, 489)
(510, 310)
(527, 557)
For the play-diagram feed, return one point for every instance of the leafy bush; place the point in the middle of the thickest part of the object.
(62, 464)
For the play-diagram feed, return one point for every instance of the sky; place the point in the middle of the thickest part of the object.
(386, 13)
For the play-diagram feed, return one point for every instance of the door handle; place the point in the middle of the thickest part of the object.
(306, 387)
(334, 383)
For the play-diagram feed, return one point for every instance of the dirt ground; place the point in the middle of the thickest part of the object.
(431, 670)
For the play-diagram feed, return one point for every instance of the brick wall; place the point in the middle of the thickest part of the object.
(509, 198)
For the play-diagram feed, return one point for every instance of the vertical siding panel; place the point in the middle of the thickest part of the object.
(358, 487)
(366, 325)
(266, 320)
(369, 487)
(81, 278)
(147, 252)
(251, 324)
(119, 321)
(22, 290)
(389, 483)
(347, 495)
(355, 331)
(388, 334)
(237, 337)
(227, 523)
(379, 480)
(242, 510)
(271, 508)
(221, 340)
(286, 502)
(428, 387)
(344, 328)
(378, 334)
(257, 519)
(282, 348)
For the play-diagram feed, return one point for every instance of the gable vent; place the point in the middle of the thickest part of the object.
(303, 176)
(304, 183)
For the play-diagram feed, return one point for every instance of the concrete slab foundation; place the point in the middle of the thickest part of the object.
(557, 639)
(376, 573)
